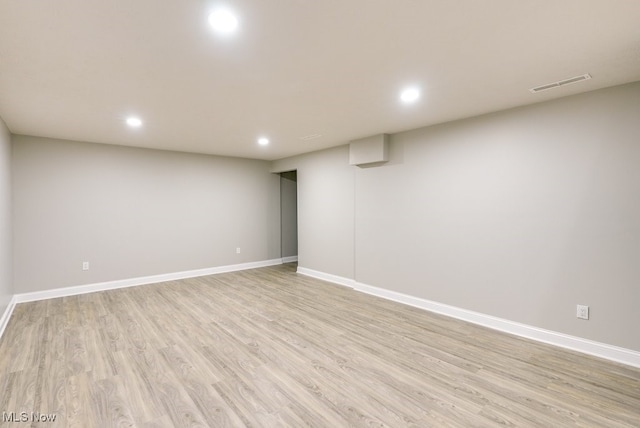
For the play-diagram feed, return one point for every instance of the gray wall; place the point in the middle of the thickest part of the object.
(135, 212)
(520, 214)
(289, 213)
(6, 261)
(325, 210)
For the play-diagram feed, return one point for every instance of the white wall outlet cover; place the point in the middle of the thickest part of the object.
(583, 312)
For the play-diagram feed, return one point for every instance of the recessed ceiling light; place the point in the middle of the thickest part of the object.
(134, 122)
(263, 141)
(223, 21)
(410, 95)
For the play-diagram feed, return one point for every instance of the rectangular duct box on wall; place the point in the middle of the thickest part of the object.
(369, 151)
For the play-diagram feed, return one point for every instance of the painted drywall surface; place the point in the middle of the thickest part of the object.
(6, 261)
(325, 209)
(289, 214)
(134, 212)
(521, 215)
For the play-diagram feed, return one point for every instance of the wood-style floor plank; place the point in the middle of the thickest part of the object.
(267, 347)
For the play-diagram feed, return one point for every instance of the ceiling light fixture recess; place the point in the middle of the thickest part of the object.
(223, 21)
(263, 141)
(134, 122)
(410, 95)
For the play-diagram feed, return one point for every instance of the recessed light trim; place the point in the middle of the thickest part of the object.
(409, 95)
(134, 122)
(223, 21)
(263, 141)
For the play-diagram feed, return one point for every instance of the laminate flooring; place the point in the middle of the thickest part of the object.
(268, 347)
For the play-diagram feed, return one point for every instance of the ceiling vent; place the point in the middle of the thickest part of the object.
(560, 83)
(310, 137)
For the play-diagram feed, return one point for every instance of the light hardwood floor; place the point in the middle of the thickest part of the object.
(268, 347)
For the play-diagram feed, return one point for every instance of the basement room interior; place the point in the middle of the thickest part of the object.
(328, 214)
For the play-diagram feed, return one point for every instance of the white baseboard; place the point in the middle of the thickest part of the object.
(290, 259)
(326, 277)
(586, 346)
(111, 285)
(4, 319)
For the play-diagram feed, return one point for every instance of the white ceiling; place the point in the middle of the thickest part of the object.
(75, 69)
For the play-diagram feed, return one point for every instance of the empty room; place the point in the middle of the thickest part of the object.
(298, 213)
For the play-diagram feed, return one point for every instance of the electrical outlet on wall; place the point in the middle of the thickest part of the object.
(583, 312)
(238, 250)
(85, 265)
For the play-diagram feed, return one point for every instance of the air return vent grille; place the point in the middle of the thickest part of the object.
(310, 137)
(560, 83)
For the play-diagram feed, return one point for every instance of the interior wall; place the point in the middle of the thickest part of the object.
(325, 210)
(6, 230)
(135, 212)
(289, 213)
(520, 214)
